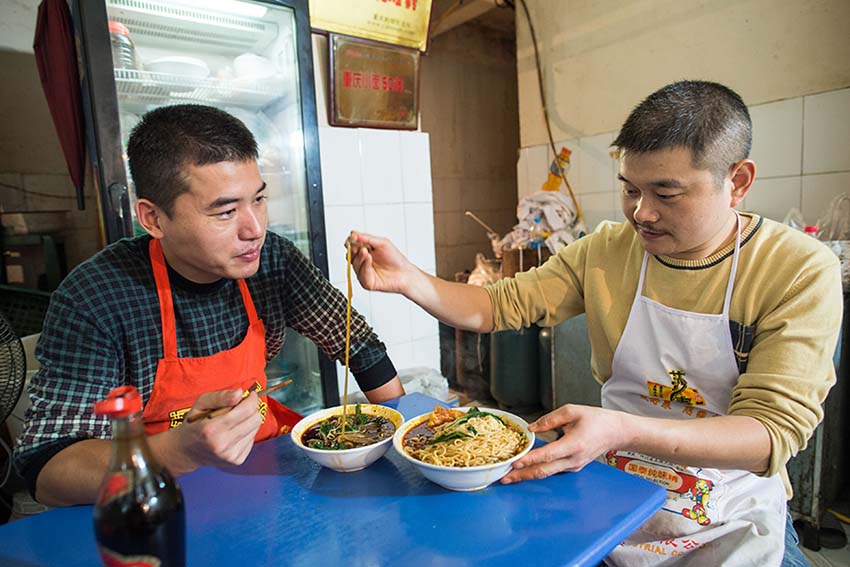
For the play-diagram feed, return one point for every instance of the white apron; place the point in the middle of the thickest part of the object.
(681, 365)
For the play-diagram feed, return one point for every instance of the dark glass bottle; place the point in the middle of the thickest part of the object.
(139, 518)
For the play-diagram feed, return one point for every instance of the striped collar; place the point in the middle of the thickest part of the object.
(746, 235)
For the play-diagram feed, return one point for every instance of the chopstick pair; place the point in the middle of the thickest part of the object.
(210, 413)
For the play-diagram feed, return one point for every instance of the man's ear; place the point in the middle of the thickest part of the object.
(742, 175)
(148, 216)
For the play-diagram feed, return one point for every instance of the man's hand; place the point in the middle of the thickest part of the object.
(379, 265)
(721, 442)
(219, 441)
(588, 433)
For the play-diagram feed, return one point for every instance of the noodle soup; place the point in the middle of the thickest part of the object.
(360, 429)
(453, 438)
(464, 449)
(343, 459)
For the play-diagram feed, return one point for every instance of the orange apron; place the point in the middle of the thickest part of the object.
(179, 381)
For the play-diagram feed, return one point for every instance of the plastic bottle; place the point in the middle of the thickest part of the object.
(123, 48)
(811, 230)
(139, 517)
(553, 181)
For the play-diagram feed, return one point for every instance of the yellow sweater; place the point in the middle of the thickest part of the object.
(786, 313)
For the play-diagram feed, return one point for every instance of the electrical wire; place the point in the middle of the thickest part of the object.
(546, 111)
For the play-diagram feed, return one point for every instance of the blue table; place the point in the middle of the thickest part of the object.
(280, 508)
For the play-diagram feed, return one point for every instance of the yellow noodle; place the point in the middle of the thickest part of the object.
(347, 335)
(491, 442)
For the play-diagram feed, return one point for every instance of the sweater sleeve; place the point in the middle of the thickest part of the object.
(790, 369)
(547, 295)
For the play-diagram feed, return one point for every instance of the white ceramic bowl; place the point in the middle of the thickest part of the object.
(346, 460)
(463, 478)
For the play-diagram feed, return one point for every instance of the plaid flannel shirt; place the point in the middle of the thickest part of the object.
(103, 330)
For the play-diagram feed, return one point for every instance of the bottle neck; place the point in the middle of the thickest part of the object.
(129, 445)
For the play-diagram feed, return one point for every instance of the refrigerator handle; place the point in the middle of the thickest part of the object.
(119, 202)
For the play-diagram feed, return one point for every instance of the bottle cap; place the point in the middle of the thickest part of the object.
(121, 402)
(118, 27)
(811, 229)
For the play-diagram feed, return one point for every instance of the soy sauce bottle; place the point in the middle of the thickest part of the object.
(139, 518)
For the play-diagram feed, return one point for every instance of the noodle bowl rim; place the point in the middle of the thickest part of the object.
(516, 421)
(309, 421)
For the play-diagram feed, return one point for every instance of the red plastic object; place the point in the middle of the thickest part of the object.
(121, 402)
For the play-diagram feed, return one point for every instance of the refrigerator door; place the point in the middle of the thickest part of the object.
(251, 59)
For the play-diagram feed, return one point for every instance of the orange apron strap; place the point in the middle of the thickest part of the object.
(249, 303)
(166, 306)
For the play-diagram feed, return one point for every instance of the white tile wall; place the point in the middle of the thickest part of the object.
(778, 138)
(773, 198)
(339, 221)
(537, 160)
(416, 167)
(826, 132)
(801, 147)
(419, 234)
(381, 155)
(597, 170)
(597, 207)
(387, 221)
(379, 181)
(341, 166)
(391, 318)
(819, 191)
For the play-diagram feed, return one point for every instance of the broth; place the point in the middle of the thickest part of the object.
(361, 429)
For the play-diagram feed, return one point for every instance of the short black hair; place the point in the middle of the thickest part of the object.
(709, 119)
(169, 139)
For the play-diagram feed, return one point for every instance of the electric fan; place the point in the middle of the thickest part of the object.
(13, 369)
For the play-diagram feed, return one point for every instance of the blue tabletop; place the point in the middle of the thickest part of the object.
(281, 508)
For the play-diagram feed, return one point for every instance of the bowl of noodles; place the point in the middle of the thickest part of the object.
(367, 436)
(463, 449)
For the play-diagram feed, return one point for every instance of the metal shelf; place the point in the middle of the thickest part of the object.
(160, 23)
(142, 88)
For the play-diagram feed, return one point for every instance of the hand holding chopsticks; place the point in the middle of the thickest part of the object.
(210, 413)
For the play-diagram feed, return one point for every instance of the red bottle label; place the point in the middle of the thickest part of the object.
(114, 486)
(112, 559)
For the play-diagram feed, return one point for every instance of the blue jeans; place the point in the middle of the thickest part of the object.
(793, 554)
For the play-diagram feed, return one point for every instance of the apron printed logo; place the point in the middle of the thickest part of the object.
(671, 547)
(176, 417)
(262, 406)
(678, 392)
(700, 493)
(682, 484)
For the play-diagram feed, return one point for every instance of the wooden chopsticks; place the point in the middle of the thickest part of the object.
(210, 413)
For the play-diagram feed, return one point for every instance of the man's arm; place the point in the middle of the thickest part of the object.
(73, 475)
(388, 391)
(727, 442)
(381, 267)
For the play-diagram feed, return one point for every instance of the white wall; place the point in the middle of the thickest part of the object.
(601, 57)
(801, 147)
(379, 182)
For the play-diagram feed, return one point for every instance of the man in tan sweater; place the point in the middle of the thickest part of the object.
(712, 334)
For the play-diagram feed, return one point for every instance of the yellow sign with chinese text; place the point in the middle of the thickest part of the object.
(399, 22)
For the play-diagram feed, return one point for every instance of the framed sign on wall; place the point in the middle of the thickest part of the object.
(399, 22)
(373, 85)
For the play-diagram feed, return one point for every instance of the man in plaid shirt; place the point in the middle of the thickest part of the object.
(188, 314)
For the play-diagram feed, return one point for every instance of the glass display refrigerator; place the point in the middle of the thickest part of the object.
(252, 59)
